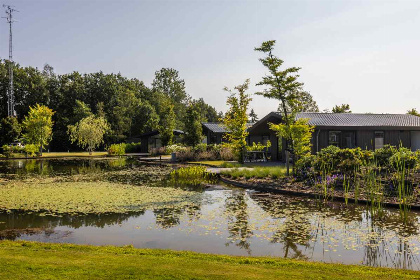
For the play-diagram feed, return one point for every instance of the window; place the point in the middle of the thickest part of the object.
(379, 139)
(342, 139)
(334, 138)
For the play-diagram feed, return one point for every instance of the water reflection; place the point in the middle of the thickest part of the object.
(225, 221)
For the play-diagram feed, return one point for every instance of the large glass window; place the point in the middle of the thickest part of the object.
(379, 139)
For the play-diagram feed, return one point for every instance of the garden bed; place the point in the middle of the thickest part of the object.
(291, 186)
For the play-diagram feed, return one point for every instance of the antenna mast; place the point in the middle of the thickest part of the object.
(10, 95)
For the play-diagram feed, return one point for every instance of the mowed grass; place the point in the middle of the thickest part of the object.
(74, 154)
(260, 172)
(32, 260)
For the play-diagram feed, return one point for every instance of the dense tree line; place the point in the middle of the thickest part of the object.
(128, 105)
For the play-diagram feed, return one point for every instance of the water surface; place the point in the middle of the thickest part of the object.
(227, 221)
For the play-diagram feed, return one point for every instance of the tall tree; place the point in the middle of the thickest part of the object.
(281, 85)
(88, 132)
(343, 108)
(193, 129)
(38, 126)
(10, 130)
(236, 119)
(253, 116)
(413, 112)
(168, 82)
(167, 122)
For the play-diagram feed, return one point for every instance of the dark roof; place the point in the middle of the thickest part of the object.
(219, 127)
(365, 120)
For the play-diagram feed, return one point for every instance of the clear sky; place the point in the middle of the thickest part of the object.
(365, 53)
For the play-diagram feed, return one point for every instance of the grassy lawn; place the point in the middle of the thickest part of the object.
(74, 154)
(256, 172)
(30, 260)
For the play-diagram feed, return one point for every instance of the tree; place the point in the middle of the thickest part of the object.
(168, 82)
(167, 122)
(80, 111)
(207, 112)
(10, 130)
(283, 86)
(236, 119)
(413, 112)
(89, 132)
(38, 126)
(253, 116)
(303, 102)
(193, 129)
(343, 108)
(301, 136)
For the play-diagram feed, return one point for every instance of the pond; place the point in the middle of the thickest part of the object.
(221, 220)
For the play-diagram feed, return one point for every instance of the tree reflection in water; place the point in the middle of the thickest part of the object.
(236, 212)
(13, 225)
(307, 223)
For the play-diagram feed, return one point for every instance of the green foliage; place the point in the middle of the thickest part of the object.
(236, 119)
(38, 126)
(192, 176)
(256, 172)
(303, 102)
(80, 111)
(167, 122)
(404, 157)
(10, 151)
(383, 154)
(133, 147)
(130, 107)
(10, 130)
(258, 146)
(31, 149)
(413, 112)
(299, 133)
(343, 108)
(193, 128)
(337, 160)
(117, 149)
(89, 132)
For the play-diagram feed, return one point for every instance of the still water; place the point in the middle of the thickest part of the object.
(227, 221)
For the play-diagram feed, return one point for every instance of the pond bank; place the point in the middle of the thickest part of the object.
(290, 187)
(64, 261)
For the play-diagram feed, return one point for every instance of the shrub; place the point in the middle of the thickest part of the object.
(158, 151)
(383, 155)
(175, 148)
(403, 157)
(200, 148)
(31, 149)
(326, 158)
(186, 154)
(117, 149)
(350, 159)
(226, 154)
(133, 148)
(8, 151)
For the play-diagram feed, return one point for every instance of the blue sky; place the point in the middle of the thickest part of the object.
(365, 53)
